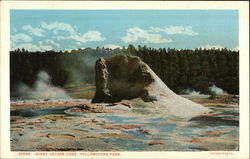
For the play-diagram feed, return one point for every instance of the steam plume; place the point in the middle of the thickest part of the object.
(42, 89)
(192, 92)
(217, 90)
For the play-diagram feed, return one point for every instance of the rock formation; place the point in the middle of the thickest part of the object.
(126, 77)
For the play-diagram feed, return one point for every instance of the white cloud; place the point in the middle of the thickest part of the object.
(52, 42)
(43, 47)
(58, 31)
(46, 47)
(57, 27)
(32, 47)
(112, 46)
(61, 37)
(89, 36)
(33, 31)
(186, 30)
(92, 36)
(137, 34)
(20, 38)
(212, 47)
(26, 46)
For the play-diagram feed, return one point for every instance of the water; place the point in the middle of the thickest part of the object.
(31, 112)
(142, 132)
(219, 131)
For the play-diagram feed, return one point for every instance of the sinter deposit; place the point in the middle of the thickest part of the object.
(128, 78)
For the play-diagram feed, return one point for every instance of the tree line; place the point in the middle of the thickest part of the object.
(179, 69)
(193, 69)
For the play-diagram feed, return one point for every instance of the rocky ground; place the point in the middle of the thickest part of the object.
(218, 100)
(72, 125)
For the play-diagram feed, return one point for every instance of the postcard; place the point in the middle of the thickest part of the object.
(124, 79)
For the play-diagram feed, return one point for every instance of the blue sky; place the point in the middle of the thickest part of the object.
(71, 29)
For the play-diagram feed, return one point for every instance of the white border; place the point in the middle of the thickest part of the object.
(242, 6)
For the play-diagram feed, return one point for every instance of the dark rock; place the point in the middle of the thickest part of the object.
(121, 77)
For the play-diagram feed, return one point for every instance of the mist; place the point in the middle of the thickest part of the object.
(42, 89)
(192, 92)
(217, 90)
(81, 68)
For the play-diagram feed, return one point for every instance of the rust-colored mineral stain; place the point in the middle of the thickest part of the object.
(155, 142)
(195, 139)
(122, 126)
(216, 132)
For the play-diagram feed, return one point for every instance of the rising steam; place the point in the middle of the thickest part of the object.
(192, 92)
(42, 89)
(217, 90)
(84, 71)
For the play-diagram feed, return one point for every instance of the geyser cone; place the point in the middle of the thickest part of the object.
(126, 77)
